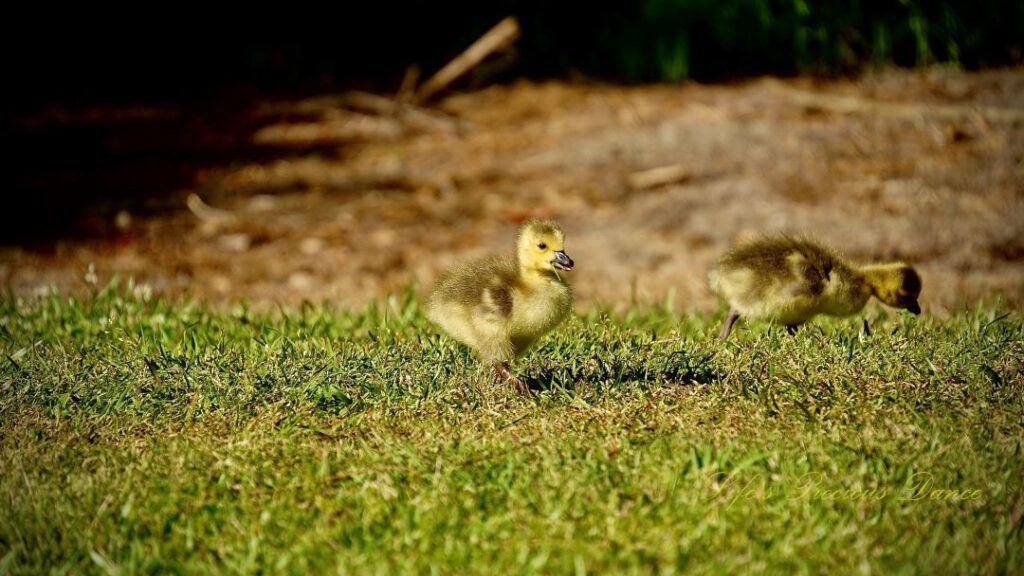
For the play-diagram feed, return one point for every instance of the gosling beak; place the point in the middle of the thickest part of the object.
(914, 308)
(562, 261)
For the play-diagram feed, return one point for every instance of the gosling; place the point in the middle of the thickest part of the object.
(499, 306)
(787, 281)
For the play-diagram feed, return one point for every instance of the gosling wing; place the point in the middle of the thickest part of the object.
(496, 301)
(808, 276)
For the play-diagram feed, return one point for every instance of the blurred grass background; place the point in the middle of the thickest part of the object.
(672, 40)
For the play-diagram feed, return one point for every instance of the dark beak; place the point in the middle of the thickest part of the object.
(562, 261)
(914, 308)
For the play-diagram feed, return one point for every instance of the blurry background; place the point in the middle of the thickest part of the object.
(242, 156)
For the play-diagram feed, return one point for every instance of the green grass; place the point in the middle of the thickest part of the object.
(673, 40)
(143, 435)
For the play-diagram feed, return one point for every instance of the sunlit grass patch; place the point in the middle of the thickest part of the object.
(151, 435)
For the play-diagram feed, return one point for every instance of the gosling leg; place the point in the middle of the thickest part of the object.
(792, 328)
(503, 374)
(730, 319)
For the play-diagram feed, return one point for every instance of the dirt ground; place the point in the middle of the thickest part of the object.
(922, 166)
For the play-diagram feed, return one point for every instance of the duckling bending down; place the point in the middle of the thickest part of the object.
(499, 306)
(788, 281)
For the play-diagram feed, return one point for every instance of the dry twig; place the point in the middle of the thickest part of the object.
(501, 35)
(658, 176)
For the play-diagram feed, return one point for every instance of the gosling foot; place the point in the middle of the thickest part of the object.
(503, 375)
(730, 319)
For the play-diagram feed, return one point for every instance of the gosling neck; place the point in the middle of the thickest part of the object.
(847, 292)
(875, 276)
(531, 275)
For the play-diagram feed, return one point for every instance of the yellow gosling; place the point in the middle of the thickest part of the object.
(788, 281)
(499, 306)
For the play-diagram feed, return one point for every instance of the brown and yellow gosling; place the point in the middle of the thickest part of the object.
(788, 281)
(499, 306)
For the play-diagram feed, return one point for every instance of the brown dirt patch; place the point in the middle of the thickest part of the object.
(922, 166)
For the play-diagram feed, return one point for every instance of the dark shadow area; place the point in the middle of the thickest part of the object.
(672, 368)
(126, 113)
(72, 173)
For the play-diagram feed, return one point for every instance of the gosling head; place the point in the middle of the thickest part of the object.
(541, 247)
(897, 284)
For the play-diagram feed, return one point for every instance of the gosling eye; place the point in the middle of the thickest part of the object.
(542, 246)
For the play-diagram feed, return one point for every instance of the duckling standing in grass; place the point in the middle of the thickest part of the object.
(501, 305)
(788, 281)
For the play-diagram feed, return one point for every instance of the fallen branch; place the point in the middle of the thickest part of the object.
(501, 35)
(410, 115)
(658, 176)
(850, 104)
(205, 212)
(407, 90)
(352, 128)
(315, 173)
(414, 116)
